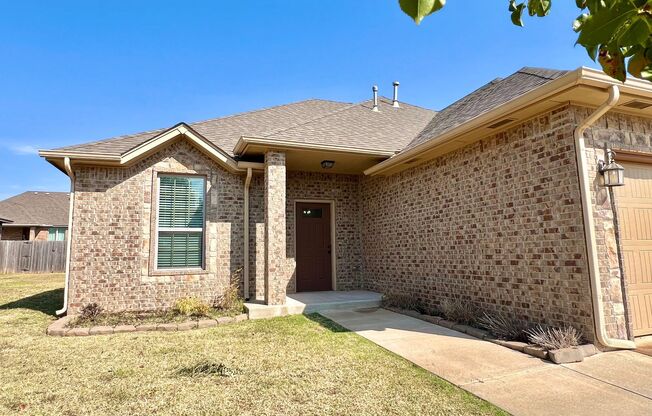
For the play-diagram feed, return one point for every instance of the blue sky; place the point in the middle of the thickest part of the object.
(77, 71)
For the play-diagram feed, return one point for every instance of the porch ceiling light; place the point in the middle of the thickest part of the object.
(613, 173)
(327, 164)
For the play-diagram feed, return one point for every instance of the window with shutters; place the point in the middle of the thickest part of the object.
(180, 242)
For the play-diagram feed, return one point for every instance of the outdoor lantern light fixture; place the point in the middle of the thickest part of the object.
(327, 164)
(613, 173)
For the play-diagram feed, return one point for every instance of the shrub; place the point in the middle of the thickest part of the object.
(504, 327)
(402, 301)
(191, 306)
(230, 299)
(90, 312)
(459, 310)
(554, 338)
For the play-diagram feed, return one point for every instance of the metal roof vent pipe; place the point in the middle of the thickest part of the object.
(375, 90)
(395, 99)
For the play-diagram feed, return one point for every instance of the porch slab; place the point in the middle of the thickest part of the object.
(309, 302)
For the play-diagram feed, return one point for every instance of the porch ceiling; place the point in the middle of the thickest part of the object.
(305, 159)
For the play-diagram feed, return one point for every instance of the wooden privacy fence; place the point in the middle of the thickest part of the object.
(32, 256)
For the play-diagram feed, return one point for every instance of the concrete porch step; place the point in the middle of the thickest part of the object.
(309, 302)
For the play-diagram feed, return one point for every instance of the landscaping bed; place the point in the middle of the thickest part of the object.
(559, 345)
(186, 313)
(74, 326)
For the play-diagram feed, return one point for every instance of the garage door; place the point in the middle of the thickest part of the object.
(635, 215)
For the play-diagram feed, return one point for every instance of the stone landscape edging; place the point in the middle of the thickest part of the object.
(560, 356)
(59, 327)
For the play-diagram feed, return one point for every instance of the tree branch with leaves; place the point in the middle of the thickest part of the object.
(615, 33)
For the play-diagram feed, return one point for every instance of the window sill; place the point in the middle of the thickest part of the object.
(177, 272)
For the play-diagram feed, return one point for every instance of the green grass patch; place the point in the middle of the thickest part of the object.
(299, 365)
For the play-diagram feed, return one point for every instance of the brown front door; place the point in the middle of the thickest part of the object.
(314, 267)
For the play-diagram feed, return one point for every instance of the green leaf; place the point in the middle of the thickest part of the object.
(538, 7)
(592, 51)
(637, 64)
(599, 27)
(418, 9)
(517, 13)
(577, 23)
(636, 34)
(646, 73)
(613, 63)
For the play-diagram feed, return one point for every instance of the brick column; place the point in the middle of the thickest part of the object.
(275, 178)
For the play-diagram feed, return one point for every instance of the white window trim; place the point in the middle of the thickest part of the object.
(182, 230)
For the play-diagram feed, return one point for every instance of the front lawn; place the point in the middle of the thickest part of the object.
(287, 366)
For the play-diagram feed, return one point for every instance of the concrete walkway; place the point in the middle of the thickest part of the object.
(605, 384)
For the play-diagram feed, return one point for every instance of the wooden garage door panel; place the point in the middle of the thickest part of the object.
(640, 304)
(635, 215)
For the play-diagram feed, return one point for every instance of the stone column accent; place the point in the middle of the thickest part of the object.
(275, 256)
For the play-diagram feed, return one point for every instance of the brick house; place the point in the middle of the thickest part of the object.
(498, 199)
(35, 215)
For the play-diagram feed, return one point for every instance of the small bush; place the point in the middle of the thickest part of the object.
(231, 299)
(90, 312)
(191, 306)
(402, 301)
(554, 338)
(504, 327)
(459, 310)
(208, 368)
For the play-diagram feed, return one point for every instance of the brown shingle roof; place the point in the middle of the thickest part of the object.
(485, 98)
(358, 126)
(310, 121)
(224, 132)
(37, 208)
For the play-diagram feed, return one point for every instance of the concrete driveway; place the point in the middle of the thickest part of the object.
(605, 384)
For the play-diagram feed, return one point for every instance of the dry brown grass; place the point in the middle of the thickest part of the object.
(288, 366)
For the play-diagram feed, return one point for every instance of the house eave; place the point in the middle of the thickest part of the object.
(247, 142)
(179, 131)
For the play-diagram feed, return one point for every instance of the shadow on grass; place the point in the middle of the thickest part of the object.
(46, 302)
(326, 323)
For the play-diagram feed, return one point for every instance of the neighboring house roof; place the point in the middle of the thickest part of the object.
(310, 121)
(485, 98)
(4, 221)
(37, 208)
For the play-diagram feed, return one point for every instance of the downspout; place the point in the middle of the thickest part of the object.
(589, 232)
(71, 175)
(246, 234)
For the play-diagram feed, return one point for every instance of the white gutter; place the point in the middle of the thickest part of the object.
(246, 234)
(587, 209)
(71, 175)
